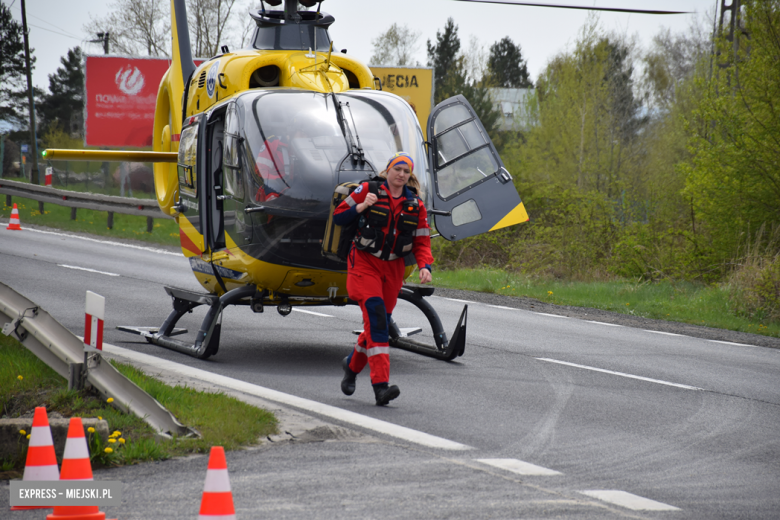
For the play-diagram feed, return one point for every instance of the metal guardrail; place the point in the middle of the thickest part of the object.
(62, 350)
(73, 199)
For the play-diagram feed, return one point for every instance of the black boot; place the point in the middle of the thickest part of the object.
(348, 383)
(384, 394)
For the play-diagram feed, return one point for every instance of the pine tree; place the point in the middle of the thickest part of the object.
(443, 57)
(13, 83)
(65, 101)
(507, 65)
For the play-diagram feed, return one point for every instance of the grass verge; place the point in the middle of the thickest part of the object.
(683, 302)
(27, 382)
(165, 230)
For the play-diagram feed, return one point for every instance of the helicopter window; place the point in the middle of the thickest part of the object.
(450, 117)
(386, 125)
(298, 37)
(468, 170)
(188, 151)
(232, 167)
(456, 142)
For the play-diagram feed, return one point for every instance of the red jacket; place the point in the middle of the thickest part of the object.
(421, 244)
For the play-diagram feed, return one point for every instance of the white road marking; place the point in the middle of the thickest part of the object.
(456, 300)
(312, 312)
(664, 333)
(732, 343)
(502, 307)
(602, 323)
(108, 242)
(622, 374)
(552, 315)
(628, 500)
(377, 425)
(86, 269)
(519, 467)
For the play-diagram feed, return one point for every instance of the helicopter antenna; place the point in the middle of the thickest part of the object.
(609, 9)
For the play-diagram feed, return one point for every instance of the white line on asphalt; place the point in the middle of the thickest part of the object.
(628, 500)
(107, 242)
(377, 425)
(86, 269)
(622, 374)
(312, 312)
(552, 315)
(502, 307)
(602, 323)
(664, 333)
(519, 467)
(456, 300)
(732, 343)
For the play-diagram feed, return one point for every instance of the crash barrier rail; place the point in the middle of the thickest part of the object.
(67, 355)
(73, 199)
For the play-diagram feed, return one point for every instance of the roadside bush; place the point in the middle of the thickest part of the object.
(754, 285)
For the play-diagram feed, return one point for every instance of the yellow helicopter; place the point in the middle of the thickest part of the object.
(249, 148)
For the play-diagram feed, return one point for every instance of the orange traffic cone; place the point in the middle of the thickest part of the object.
(14, 223)
(76, 466)
(41, 461)
(217, 502)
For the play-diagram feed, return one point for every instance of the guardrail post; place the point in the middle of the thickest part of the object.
(110, 220)
(73, 213)
(75, 376)
(8, 200)
(40, 207)
(149, 224)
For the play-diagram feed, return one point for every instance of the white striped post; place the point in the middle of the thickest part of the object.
(93, 324)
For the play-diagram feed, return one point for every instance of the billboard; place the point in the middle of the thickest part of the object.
(120, 94)
(414, 84)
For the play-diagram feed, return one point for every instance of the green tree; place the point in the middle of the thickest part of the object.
(451, 76)
(443, 57)
(396, 46)
(14, 107)
(507, 65)
(733, 176)
(64, 103)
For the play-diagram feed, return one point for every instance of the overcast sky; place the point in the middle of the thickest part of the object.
(57, 25)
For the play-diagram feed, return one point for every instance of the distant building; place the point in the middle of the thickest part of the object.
(512, 103)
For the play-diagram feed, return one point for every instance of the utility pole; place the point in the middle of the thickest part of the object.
(33, 139)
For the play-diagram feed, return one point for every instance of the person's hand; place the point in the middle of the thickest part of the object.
(425, 276)
(370, 200)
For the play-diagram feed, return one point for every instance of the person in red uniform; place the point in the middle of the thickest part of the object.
(394, 223)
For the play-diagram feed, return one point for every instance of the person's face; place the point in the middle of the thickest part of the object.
(398, 175)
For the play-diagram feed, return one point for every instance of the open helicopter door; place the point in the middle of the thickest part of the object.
(473, 192)
(213, 216)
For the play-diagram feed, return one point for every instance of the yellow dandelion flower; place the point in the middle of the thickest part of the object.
(628, 304)
(109, 450)
(100, 418)
(122, 441)
(112, 441)
(110, 400)
(549, 293)
(20, 377)
(22, 432)
(117, 433)
(91, 429)
(28, 436)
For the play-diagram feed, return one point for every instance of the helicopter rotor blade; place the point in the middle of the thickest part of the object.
(609, 9)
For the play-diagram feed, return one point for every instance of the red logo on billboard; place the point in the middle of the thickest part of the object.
(121, 93)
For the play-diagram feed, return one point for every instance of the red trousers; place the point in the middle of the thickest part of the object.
(374, 284)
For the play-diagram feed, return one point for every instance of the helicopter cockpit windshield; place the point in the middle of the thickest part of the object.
(293, 145)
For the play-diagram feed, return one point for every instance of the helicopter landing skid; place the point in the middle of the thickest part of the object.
(207, 340)
(444, 349)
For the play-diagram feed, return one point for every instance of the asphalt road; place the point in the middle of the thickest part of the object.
(687, 422)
